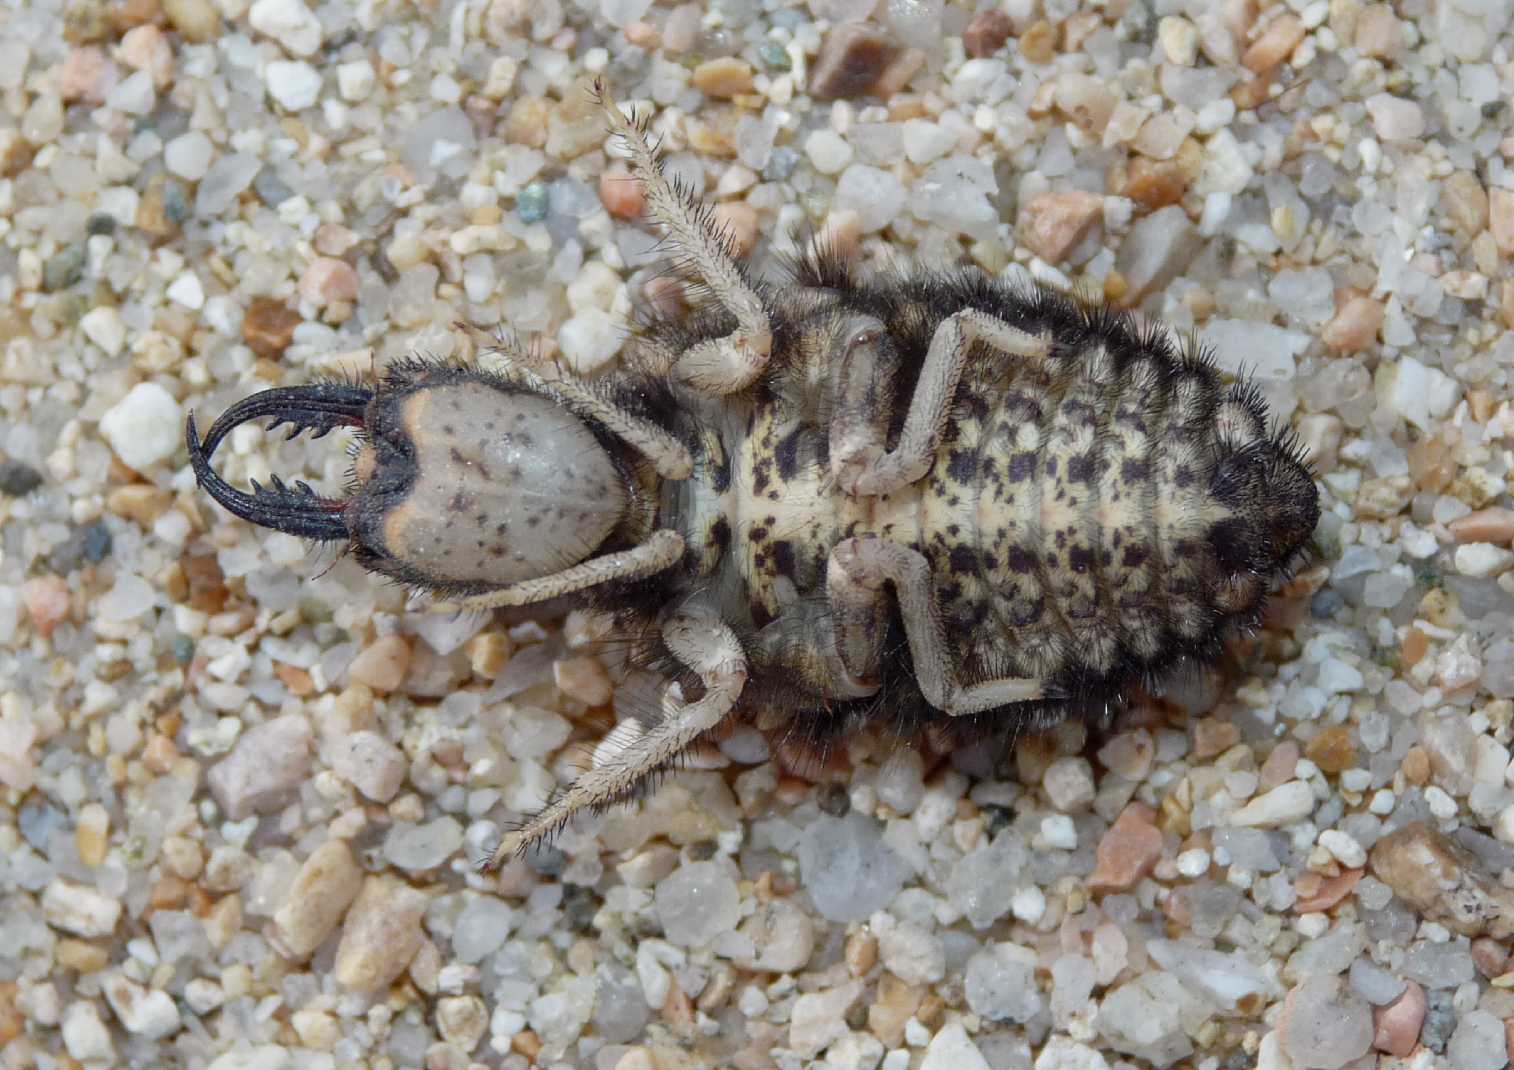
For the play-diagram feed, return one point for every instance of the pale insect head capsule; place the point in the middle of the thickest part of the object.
(463, 481)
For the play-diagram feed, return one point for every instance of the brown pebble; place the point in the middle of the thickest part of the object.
(317, 898)
(1039, 42)
(986, 33)
(1213, 737)
(381, 935)
(196, 20)
(851, 61)
(861, 952)
(382, 665)
(1331, 749)
(268, 326)
(583, 679)
(488, 654)
(47, 602)
(623, 196)
(160, 754)
(1054, 224)
(1275, 44)
(1490, 957)
(1501, 218)
(1355, 325)
(1318, 894)
(1396, 1026)
(1154, 184)
(1128, 851)
(1278, 767)
(1494, 524)
(202, 572)
(1444, 882)
(142, 503)
(295, 678)
(12, 1021)
(894, 1005)
(725, 77)
(1416, 766)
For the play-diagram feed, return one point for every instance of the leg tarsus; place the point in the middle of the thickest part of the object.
(858, 460)
(720, 365)
(708, 647)
(856, 573)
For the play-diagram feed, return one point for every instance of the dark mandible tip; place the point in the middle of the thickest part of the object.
(297, 510)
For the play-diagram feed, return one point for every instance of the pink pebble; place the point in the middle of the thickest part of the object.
(327, 280)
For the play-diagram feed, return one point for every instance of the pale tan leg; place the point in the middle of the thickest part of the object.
(661, 550)
(712, 651)
(720, 365)
(669, 457)
(856, 573)
(858, 460)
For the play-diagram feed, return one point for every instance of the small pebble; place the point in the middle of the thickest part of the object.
(294, 84)
(1283, 805)
(144, 427)
(1274, 45)
(986, 33)
(85, 1036)
(723, 78)
(47, 602)
(289, 22)
(371, 764)
(150, 1013)
(696, 903)
(381, 935)
(327, 280)
(1128, 851)
(1396, 1026)
(852, 59)
(322, 889)
(266, 767)
(819, 1018)
(382, 664)
(952, 1049)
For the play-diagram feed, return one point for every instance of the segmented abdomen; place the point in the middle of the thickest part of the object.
(1070, 512)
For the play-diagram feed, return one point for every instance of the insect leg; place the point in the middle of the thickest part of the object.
(661, 550)
(719, 365)
(857, 571)
(864, 468)
(712, 651)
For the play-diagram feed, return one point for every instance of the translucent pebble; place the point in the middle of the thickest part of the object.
(976, 885)
(481, 928)
(848, 870)
(1438, 965)
(620, 1008)
(1000, 983)
(1227, 978)
(441, 143)
(1328, 1026)
(417, 848)
(1306, 297)
(224, 182)
(1478, 1042)
(875, 195)
(956, 193)
(696, 903)
(1072, 981)
(1374, 984)
(1384, 590)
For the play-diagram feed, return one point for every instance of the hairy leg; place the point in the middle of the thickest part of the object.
(712, 651)
(720, 365)
(858, 460)
(662, 550)
(856, 573)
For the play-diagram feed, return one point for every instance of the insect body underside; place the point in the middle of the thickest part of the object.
(931, 500)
